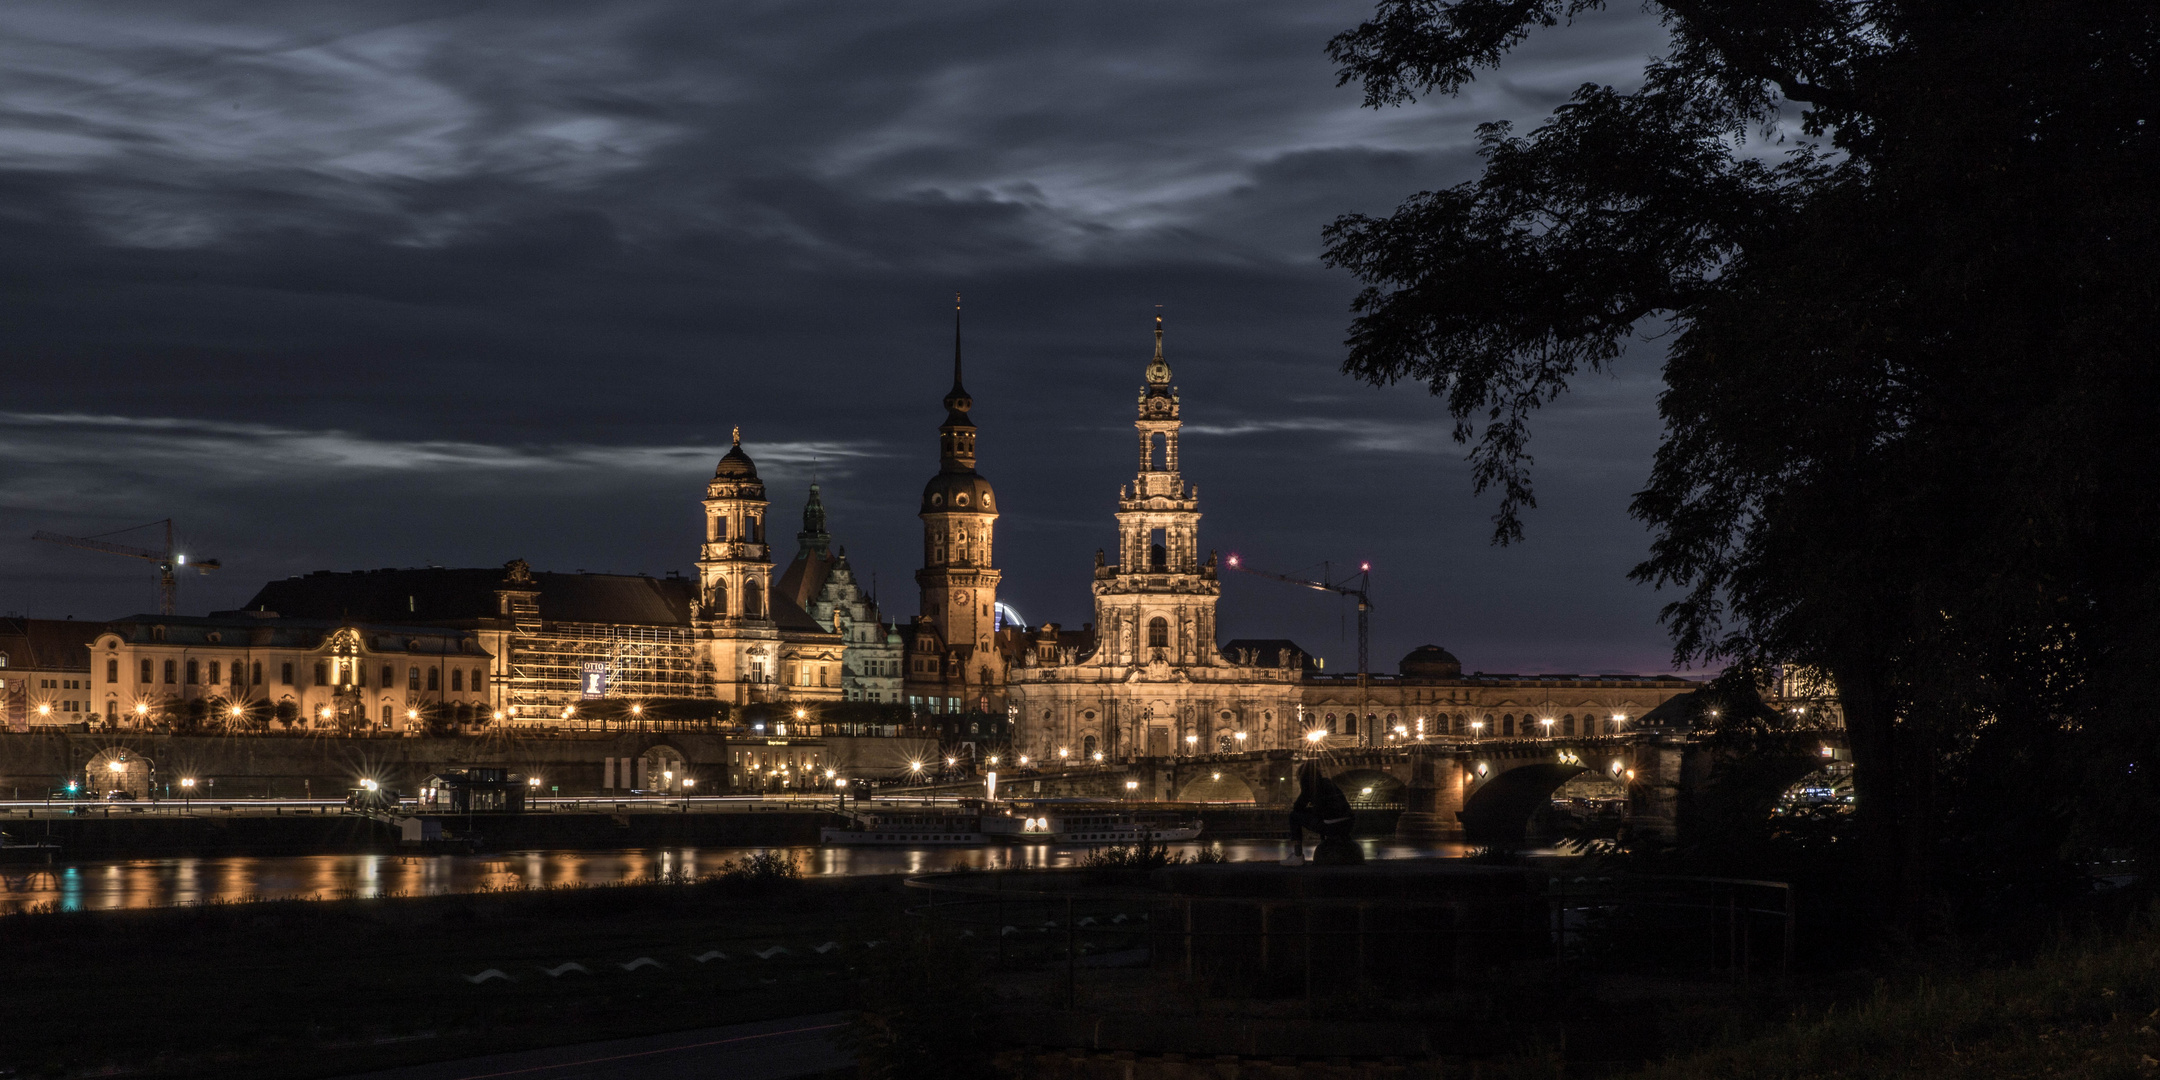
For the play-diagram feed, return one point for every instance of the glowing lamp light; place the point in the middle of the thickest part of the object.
(801, 713)
(1098, 755)
(949, 762)
(1233, 559)
(829, 773)
(993, 759)
(532, 781)
(44, 710)
(142, 709)
(637, 710)
(689, 781)
(323, 712)
(1132, 785)
(1062, 751)
(914, 766)
(1239, 736)
(1023, 759)
(412, 714)
(498, 714)
(187, 781)
(116, 766)
(235, 710)
(1191, 739)
(369, 785)
(1364, 566)
(1315, 735)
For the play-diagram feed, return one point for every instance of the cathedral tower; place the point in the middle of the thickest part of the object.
(735, 576)
(954, 664)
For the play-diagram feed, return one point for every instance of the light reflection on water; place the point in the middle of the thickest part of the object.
(144, 883)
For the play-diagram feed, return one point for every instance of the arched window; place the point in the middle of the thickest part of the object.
(457, 679)
(412, 677)
(1222, 743)
(255, 673)
(1087, 748)
(386, 714)
(434, 678)
(1567, 724)
(753, 599)
(194, 672)
(718, 601)
(479, 679)
(1158, 633)
(1507, 724)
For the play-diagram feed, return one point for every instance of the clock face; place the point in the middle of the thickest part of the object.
(960, 596)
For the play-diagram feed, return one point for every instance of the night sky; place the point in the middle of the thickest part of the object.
(344, 286)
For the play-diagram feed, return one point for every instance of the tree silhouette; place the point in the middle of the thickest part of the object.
(1910, 385)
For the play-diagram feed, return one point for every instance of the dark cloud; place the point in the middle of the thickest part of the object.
(368, 285)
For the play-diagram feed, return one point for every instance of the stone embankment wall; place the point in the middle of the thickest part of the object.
(112, 832)
(279, 766)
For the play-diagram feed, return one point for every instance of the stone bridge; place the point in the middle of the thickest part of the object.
(1482, 791)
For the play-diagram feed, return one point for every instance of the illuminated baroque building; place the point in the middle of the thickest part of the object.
(1148, 676)
(954, 664)
(823, 584)
(729, 636)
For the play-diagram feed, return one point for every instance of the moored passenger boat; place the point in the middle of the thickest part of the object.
(906, 827)
(1085, 824)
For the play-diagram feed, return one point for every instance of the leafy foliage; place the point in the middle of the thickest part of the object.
(1907, 413)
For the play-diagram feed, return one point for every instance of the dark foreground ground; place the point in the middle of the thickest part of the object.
(322, 989)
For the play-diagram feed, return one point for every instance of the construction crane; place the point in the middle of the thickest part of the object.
(1358, 585)
(166, 561)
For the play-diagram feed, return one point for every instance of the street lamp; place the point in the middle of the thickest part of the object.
(1477, 728)
(1023, 759)
(1191, 742)
(1547, 721)
(1062, 752)
(1314, 736)
(1098, 755)
(1240, 737)
(187, 788)
(323, 713)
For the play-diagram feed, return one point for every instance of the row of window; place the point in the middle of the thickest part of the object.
(213, 673)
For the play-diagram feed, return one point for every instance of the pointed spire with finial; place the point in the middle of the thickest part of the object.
(957, 402)
(956, 437)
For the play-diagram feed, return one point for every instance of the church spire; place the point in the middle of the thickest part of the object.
(814, 537)
(956, 437)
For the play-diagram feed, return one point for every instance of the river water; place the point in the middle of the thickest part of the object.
(145, 883)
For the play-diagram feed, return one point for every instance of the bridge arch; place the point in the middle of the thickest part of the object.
(1216, 786)
(1498, 809)
(1368, 787)
(117, 768)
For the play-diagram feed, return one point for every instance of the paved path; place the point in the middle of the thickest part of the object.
(766, 1050)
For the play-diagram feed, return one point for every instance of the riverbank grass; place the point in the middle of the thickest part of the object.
(2084, 1010)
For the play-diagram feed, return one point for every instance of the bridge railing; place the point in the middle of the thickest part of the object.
(1105, 941)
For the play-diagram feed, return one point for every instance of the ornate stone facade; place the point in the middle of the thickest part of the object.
(821, 582)
(1149, 677)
